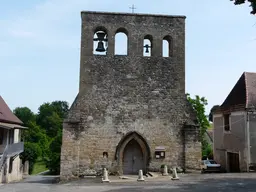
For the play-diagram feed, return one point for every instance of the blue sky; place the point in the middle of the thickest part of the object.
(40, 46)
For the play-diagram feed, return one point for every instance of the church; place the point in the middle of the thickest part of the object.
(131, 110)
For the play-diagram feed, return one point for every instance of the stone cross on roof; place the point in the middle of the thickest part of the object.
(132, 8)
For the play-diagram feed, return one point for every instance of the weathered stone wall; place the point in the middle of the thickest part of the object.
(192, 148)
(233, 141)
(122, 94)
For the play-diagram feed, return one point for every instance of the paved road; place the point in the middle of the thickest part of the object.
(245, 182)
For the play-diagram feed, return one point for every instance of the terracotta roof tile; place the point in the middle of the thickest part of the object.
(6, 114)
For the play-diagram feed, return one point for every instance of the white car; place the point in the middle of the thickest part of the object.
(210, 166)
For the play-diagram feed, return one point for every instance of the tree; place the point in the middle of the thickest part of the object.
(31, 152)
(61, 108)
(198, 104)
(51, 115)
(50, 118)
(53, 162)
(44, 137)
(34, 134)
(252, 4)
(25, 115)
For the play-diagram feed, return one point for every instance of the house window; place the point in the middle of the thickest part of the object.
(226, 122)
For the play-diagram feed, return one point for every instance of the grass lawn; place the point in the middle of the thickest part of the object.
(39, 167)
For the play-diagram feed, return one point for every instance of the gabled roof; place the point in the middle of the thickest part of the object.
(243, 93)
(6, 114)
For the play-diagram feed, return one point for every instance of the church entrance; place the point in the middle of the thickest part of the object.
(132, 158)
(132, 154)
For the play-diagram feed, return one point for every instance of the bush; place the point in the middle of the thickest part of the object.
(207, 150)
(31, 152)
(53, 161)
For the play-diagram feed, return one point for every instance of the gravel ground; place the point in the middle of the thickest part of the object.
(245, 182)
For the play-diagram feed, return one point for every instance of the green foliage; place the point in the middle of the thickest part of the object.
(198, 104)
(51, 115)
(61, 108)
(44, 136)
(252, 4)
(53, 163)
(207, 150)
(25, 115)
(39, 167)
(31, 152)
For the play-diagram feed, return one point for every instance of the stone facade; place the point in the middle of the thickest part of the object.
(130, 97)
(236, 140)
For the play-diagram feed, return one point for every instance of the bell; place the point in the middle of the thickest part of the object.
(147, 51)
(100, 36)
(147, 48)
(100, 47)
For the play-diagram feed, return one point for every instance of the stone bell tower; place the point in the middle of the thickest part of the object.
(131, 111)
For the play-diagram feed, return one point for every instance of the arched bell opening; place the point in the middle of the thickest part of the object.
(147, 46)
(121, 42)
(100, 44)
(167, 46)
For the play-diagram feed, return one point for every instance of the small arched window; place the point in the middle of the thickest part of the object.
(100, 44)
(167, 46)
(147, 46)
(121, 42)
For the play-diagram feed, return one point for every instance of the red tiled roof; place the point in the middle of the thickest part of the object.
(6, 114)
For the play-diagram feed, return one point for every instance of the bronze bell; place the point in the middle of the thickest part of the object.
(100, 38)
(147, 48)
(100, 47)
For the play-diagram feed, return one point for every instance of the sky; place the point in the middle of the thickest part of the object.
(40, 46)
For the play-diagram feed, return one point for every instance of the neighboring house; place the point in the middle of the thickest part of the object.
(11, 168)
(234, 145)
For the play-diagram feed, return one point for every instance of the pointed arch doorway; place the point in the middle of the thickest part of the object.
(132, 154)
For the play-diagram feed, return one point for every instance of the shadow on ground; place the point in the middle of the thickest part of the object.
(40, 179)
(207, 185)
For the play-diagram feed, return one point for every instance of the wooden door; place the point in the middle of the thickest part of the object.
(233, 160)
(132, 158)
